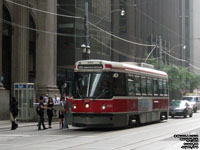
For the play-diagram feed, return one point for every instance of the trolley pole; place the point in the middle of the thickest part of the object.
(160, 47)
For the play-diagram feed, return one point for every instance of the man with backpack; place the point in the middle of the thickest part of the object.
(40, 111)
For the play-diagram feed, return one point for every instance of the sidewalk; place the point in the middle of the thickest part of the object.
(6, 124)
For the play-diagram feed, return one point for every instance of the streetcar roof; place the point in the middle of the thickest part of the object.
(127, 66)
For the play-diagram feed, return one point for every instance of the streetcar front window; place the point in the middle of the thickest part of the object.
(92, 85)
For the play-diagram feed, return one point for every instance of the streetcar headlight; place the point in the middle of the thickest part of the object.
(74, 106)
(103, 107)
(87, 105)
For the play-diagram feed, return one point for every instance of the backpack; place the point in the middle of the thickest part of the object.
(38, 110)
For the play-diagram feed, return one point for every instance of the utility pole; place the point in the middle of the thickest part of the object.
(86, 31)
(86, 45)
(183, 30)
(160, 47)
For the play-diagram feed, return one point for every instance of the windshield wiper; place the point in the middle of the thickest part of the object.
(77, 89)
(103, 93)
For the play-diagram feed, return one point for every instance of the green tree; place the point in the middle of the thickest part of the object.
(180, 79)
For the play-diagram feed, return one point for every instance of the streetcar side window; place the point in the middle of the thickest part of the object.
(131, 85)
(165, 86)
(160, 83)
(149, 86)
(144, 85)
(119, 84)
(155, 87)
(137, 85)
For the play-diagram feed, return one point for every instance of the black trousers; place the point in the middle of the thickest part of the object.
(41, 121)
(50, 115)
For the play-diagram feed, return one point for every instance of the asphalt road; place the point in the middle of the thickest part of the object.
(155, 136)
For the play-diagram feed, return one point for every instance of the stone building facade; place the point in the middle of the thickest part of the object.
(28, 47)
(40, 46)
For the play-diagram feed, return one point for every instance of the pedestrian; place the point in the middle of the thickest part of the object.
(41, 114)
(46, 97)
(50, 106)
(13, 112)
(65, 112)
(60, 113)
(56, 99)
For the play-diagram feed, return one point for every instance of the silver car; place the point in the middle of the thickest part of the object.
(180, 108)
(194, 100)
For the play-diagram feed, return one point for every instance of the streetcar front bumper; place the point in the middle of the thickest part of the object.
(98, 120)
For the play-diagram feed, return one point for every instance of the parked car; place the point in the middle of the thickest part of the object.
(194, 100)
(180, 108)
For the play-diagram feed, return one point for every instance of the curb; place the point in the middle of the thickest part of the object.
(20, 125)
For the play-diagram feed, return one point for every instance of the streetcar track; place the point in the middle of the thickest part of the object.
(104, 139)
(122, 136)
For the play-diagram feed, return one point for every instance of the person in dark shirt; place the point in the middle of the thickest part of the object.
(13, 112)
(50, 106)
(41, 114)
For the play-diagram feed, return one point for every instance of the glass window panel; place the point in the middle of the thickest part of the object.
(149, 86)
(119, 86)
(137, 85)
(155, 87)
(144, 85)
(131, 85)
(161, 87)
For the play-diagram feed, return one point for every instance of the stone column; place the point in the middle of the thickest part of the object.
(46, 54)
(1, 34)
(4, 94)
(20, 45)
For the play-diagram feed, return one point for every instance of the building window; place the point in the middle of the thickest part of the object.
(123, 18)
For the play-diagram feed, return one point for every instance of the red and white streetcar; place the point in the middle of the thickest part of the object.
(116, 94)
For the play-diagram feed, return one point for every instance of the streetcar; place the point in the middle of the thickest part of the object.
(117, 94)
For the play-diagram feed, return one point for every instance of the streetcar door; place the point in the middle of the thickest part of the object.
(69, 113)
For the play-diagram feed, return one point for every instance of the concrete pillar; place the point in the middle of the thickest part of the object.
(46, 54)
(20, 45)
(1, 16)
(4, 94)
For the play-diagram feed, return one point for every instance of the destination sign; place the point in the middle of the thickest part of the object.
(96, 66)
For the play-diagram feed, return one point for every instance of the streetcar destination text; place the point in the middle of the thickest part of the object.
(90, 66)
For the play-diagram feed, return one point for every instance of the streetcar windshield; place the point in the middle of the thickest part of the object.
(92, 85)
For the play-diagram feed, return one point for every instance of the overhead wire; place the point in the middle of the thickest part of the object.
(119, 52)
(37, 30)
(149, 17)
(39, 10)
(135, 43)
(21, 5)
(76, 17)
(183, 60)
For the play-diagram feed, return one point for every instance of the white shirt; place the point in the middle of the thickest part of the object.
(45, 99)
(56, 100)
